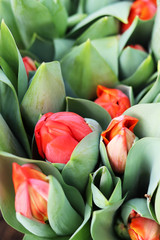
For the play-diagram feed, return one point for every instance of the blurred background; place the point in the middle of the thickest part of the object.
(8, 233)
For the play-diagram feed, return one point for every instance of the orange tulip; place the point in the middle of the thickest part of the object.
(31, 189)
(144, 9)
(138, 47)
(29, 65)
(114, 101)
(57, 134)
(119, 138)
(141, 228)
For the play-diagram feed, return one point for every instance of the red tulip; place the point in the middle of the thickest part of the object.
(57, 134)
(141, 228)
(29, 65)
(31, 189)
(138, 47)
(119, 138)
(114, 101)
(144, 9)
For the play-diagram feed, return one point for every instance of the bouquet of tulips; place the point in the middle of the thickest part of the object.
(79, 119)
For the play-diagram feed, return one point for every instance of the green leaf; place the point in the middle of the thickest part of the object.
(63, 219)
(157, 202)
(102, 225)
(138, 79)
(137, 204)
(35, 227)
(59, 15)
(33, 17)
(88, 109)
(6, 13)
(8, 142)
(86, 66)
(134, 33)
(128, 67)
(142, 168)
(42, 49)
(153, 92)
(148, 124)
(33, 237)
(92, 6)
(128, 90)
(103, 27)
(155, 45)
(75, 19)
(11, 62)
(9, 108)
(83, 161)
(46, 93)
(111, 10)
(62, 47)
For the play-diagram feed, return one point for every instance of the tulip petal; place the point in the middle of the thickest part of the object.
(22, 201)
(60, 149)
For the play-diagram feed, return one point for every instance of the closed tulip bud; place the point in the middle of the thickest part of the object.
(112, 100)
(144, 9)
(57, 134)
(29, 65)
(138, 47)
(140, 228)
(31, 191)
(119, 138)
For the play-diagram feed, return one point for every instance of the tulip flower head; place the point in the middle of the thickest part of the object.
(57, 134)
(31, 189)
(118, 139)
(138, 47)
(140, 228)
(144, 9)
(29, 65)
(114, 101)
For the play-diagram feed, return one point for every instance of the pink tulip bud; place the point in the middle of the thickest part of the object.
(119, 138)
(31, 189)
(29, 65)
(57, 134)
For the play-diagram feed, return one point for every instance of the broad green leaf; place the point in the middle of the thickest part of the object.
(139, 78)
(33, 237)
(103, 27)
(134, 35)
(59, 15)
(92, 6)
(142, 168)
(152, 93)
(157, 202)
(33, 17)
(88, 109)
(46, 93)
(62, 47)
(11, 62)
(63, 219)
(42, 49)
(137, 204)
(155, 45)
(129, 61)
(98, 198)
(6, 13)
(148, 124)
(102, 225)
(111, 10)
(8, 142)
(75, 19)
(35, 227)
(104, 157)
(85, 66)
(83, 161)
(9, 108)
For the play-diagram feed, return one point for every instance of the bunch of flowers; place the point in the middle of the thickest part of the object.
(79, 119)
